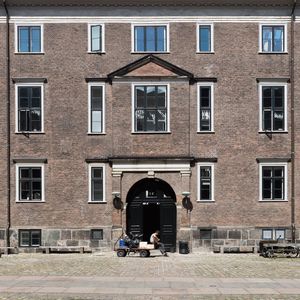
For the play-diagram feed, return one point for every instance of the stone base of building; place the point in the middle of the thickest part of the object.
(198, 238)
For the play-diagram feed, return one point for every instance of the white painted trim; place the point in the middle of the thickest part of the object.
(158, 165)
(211, 36)
(89, 108)
(102, 38)
(148, 19)
(212, 100)
(212, 165)
(149, 83)
(285, 46)
(30, 165)
(96, 165)
(17, 85)
(134, 24)
(41, 25)
(283, 164)
(260, 86)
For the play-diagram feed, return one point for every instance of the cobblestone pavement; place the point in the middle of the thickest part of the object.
(194, 276)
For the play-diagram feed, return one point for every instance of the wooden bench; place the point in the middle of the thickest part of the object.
(52, 249)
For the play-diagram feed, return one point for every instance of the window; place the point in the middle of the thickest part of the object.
(205, 107)
(205, 38)
(29, 39)
(205, 234)
(150, 108)
(97, 234)
(29, 238)
(29, 102)
(96, 183)
(273, 38)
(273, 181)
(273, 107)
(96, 109)
(150, 38)
(30, 182)
(96, 38)
(205, 182)
(273, 234)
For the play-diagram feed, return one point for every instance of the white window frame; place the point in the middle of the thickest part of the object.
(17, 25)
(17, 85)
(30, 165)
(133, 25)
(149, 83)
(272, 164)
(102, 37)
(212, 50)
(273, 232)
(212, 92)
(260, 94)
(212, 165)
(96, 165)
(285, 43)
(90, 85)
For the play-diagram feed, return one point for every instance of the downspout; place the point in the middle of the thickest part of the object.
(292, 75)
(8, 221)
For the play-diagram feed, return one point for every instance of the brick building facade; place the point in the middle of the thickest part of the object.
(182, 114)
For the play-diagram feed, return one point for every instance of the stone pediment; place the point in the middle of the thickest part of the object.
(150, 66)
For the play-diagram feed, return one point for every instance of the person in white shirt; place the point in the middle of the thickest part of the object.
(154, 239)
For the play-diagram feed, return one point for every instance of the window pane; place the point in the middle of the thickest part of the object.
(98, 196)
(267, 122)
(35, 238)
(162, 120)
(280, 234)
(139, 116)
(97, 234)
(150, 120)
(278, 172)
(161, 96)
(204, 38)
(161, 38)
(24, 238)
(24, 172)
(97, 172)
(96, 38)
(151, 97)
(278, 38)
(140, 96)
(267, 38)
(267, 234)
(150, 38)
(278, 120)
(35, 39)
(205, 234)
(139, 38)
(24, 39)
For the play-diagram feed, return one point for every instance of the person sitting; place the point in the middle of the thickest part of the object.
(154, 239)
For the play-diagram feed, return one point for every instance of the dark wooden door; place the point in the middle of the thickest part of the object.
(168, 224)
(135, 217)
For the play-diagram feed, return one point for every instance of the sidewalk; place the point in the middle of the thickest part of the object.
(65, 285)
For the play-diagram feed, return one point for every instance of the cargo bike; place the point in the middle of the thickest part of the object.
(131, 243)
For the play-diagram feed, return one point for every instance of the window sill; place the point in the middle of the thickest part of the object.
(96, 133)
(275, 132)
(96, 52)
(150, 52)
(151, 132)
(206, 201)
(205, 132)
(274, 53)
(29, 132)
(30, 53)
(273, 201)
(97, 202)
(30, 201)
(205, 52)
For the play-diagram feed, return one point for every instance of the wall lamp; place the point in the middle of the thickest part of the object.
(186, 201)
(117, 202)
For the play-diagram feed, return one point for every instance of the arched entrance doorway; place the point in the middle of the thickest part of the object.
(150, 207)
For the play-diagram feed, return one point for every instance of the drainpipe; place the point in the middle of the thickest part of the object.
(8, 221)
(292, 75)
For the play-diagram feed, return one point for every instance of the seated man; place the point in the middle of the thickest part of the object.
(154, 239)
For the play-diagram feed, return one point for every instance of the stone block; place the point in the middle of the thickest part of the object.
(219, 234)
(251, 243)
(245, 234)
(217, 242)
(66, 234)
(234, 234)
(2, 234)
(231, 242)
(206, 243)
(72, 243)
(255, 234)
(94, 244)
(81, 234)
